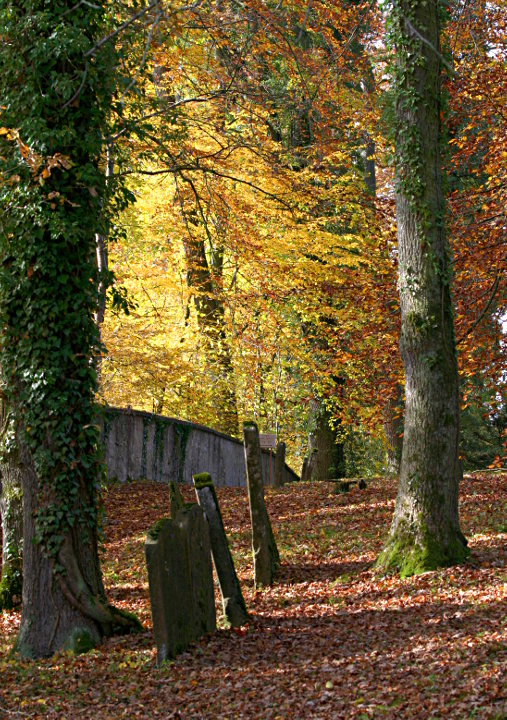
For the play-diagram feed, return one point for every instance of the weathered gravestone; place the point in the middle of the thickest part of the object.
(181, 581)
(265, 553)
(232, 598)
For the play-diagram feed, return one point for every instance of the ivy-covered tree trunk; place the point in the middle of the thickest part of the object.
(425, 532)
(56, 85)
(64, 603)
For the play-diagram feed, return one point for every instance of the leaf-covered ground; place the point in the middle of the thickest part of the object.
(331, 639)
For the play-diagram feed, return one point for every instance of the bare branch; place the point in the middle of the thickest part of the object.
(470, 330)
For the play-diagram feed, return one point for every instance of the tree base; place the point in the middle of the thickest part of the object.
(410, 553)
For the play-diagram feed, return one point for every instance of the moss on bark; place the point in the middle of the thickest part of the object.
(411, 551)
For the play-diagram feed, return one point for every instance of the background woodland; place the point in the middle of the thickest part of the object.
(255, 273)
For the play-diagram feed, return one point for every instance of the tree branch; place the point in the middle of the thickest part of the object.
(494, 289)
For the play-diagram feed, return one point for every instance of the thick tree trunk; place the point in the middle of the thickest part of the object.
(425, 531)
(64, 603)
(329, 460)
(48, 294)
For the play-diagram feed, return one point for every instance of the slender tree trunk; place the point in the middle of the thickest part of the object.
(211, 321)
(279, 465)
(425, 531)
(393, 431)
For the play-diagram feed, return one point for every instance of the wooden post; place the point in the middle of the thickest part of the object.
(232, 597)
(265, 552)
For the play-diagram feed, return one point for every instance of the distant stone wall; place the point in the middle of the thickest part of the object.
(143, 445)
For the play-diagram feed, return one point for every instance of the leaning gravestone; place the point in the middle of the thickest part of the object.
(265, 553)
(232, 597)
(181, 581)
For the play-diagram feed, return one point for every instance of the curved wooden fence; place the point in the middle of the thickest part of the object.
(141, 445)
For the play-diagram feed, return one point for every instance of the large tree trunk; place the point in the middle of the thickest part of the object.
(64, 603)
(329, 462)
(52, 617)
(425, 531)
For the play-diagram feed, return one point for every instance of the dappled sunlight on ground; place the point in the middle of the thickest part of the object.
(331, 639)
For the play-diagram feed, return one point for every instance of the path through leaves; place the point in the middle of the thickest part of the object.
(330, 640)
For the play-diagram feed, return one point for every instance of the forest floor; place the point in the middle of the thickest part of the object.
(331, 639)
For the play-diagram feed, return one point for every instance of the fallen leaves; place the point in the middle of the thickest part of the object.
(331, 639)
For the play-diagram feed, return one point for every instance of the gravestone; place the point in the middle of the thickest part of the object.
(180, 577)
(232, 598)
(265, 553)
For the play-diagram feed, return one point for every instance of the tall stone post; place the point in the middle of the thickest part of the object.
(232, 597)
(265, 552)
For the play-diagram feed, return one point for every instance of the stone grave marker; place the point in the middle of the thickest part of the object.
(232, 598)
(181, 581)
(265, 553)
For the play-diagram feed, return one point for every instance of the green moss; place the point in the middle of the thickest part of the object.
(80, 641)
(119, 628)
(12, 493)
(249, 424)
(11, 585)
(175, 498)
(202, 480)
(408, 555)
(182, 432)
(156, 529)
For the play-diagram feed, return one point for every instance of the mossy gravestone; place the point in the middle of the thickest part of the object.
(232, 597)
(265, 553)
(181, 581)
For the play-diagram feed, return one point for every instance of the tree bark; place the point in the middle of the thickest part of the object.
(425, 532)
(393, 431)
(325, 449)
(211, 321)
(64, 602)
